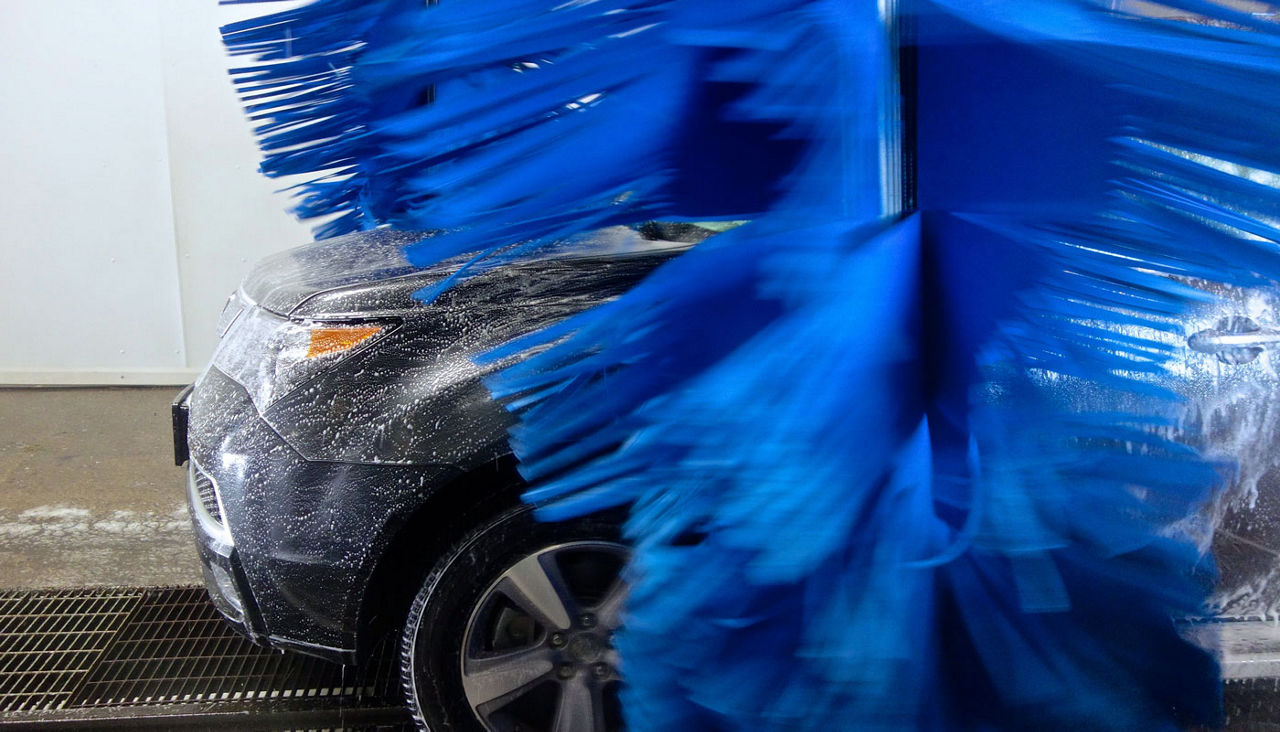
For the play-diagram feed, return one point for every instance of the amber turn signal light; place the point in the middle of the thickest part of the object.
(336, 339)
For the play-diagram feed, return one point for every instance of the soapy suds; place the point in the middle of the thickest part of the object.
(62, 522)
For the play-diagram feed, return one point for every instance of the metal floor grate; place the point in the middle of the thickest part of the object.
(50, 641)
(139, 652)
(163, 658)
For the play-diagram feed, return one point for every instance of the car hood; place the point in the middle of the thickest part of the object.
(285, 281)
(367, 273)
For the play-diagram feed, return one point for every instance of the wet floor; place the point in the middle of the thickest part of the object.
(89, 494)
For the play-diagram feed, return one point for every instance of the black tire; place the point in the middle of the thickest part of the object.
(472, 628)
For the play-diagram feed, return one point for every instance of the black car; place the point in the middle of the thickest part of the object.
(349, 475)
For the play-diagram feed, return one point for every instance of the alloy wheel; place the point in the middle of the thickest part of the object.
(538, 650)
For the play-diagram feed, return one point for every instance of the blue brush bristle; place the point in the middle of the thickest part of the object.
(887, 468)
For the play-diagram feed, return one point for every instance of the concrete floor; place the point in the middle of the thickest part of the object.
(89, 494)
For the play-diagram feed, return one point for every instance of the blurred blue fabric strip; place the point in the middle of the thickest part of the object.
(858, 495)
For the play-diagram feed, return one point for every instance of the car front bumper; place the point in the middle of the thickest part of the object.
(223, 575)
(288, 544)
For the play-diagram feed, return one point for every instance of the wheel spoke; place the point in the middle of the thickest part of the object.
(581, 707)
(609, 611)
(597, 707)
(540, 591)
(488, 680)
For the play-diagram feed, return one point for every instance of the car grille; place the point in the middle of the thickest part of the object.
(207, 493)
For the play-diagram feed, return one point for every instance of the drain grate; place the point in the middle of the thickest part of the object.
(163, 658)
(50, 641)
(146, 652)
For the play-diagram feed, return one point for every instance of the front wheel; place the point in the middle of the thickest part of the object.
(513, 629)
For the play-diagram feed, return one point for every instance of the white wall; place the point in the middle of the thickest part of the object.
(130, 201)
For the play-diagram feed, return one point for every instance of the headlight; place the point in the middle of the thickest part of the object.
(271, 356)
